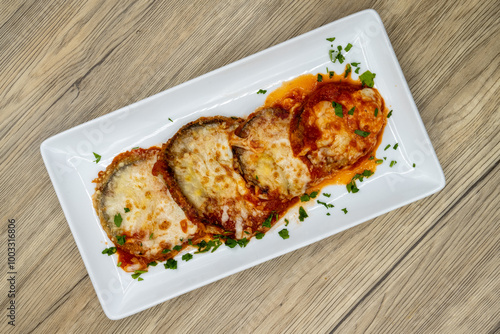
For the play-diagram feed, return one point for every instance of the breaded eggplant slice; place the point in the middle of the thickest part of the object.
(338, 124)
(137, 211)
(265, 156)
(197, 164)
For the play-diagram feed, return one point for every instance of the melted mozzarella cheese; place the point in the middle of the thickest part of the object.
(202, 161)
(266, 156)
(153, 221)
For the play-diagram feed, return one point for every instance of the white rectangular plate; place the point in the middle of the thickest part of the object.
(231, 91)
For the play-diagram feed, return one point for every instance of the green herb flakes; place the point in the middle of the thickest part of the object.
(259, 235)
(338, 109)
(345, 210)
(120, 239)
(320, 78)
(284, 233)
(97, 157)
(302, 214)
(186, 257)
(367, 78)
(109, 251)
(118, 220)
(262, 91)
(170, 264)
(363, 134)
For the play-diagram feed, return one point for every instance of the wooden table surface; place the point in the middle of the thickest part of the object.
(430, 267)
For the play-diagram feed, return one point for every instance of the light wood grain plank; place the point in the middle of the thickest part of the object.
(64, 64)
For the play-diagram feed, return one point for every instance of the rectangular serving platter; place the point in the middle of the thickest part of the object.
(231, 91)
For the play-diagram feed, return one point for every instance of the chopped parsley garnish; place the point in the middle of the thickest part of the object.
(165, 251)
(385, 158)
(331, 39)
(327, 205)
(257, 177)
(396, 146)
(367, 78)
(259, 235)
(347, 70)
(231, 243)
(393, 162)
(151, 236)
(414, 165)
(284, 233)
(327, 195)
(351, 186)
(170, 264)
(267, 222)
(320, 78)
(376, 112)
(186, 257)
(363, 134)
(331, 74)
(287, 222)
(177, 248)
(152, 264)
(387, 147)
(97, 157)
(118, 220)
(379, 161)
(243, 242)
(351, 112)
(126, 209)
(345, 210)
(302, 214)
(348, 47)
(262, 91)
(170, 120)
(119, 264)
(389, 114)
(135, 148)
(109, 251)
(328, 213)
(246, 232)
(120, 239)
(357, 70)
(306, 197)
(354, 64)
(138, 273)
(140, 279)
(338, 109)
(190, 241)
(204, 246)
(371, 158)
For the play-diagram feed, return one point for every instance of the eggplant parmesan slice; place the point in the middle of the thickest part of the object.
(338, 124)
(137, 212)
(265, 156)
(197, 164)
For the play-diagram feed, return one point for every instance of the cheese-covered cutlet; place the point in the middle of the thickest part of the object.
(265, 156)
(198, 166)
(338, 124)
(137, 211)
